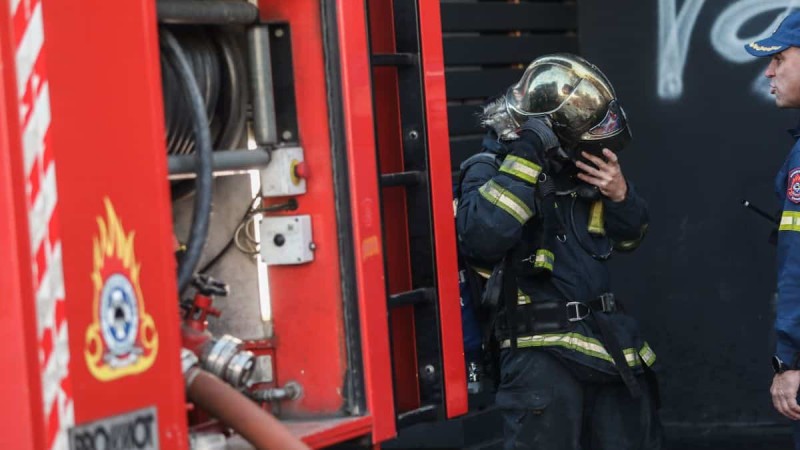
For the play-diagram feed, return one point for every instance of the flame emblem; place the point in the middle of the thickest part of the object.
(122, 339)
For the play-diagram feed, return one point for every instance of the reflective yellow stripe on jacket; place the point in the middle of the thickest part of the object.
(521, 168)
(790, 221)
(506, 201)
(586, 345)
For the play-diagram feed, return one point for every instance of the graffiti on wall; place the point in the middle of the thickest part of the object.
(676, 25)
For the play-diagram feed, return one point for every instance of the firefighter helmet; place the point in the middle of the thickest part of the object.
(576, 97)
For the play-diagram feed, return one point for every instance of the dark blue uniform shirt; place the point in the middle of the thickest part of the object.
(787, 323)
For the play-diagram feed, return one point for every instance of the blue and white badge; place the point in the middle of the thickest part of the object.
(119, 320)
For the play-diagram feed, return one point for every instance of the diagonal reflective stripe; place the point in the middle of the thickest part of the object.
(482, 272)
(521, 168)
(506, 201)
(647, 354)
(583, 344)
(790, 221)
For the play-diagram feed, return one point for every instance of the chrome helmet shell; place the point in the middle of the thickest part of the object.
(578, 100)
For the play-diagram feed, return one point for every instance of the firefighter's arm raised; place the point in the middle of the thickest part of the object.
(496, 203)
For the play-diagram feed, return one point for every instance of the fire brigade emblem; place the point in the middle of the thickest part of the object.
(122, 339)
(793, 189)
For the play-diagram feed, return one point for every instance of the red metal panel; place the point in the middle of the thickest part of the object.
(394, 209)
(455, 381)
(108, 134)
(40, 216)
(359, 123)
(308, 316)
(22, 416)
(324, 433)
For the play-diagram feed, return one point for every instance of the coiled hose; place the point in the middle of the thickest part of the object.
(205, 103)
(176, 59)
(217, 62)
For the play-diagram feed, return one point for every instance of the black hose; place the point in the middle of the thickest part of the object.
(202, 202)
(232, 109)
(216, 59)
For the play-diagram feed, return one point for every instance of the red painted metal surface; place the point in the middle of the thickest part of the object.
(41, 216)
(359, 123)
(23, 424)
(109, 138)
(455, 382)
(394, 209)
(324, 433)
(307, 315)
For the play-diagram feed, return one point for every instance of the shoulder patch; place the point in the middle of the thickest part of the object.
(793, 186)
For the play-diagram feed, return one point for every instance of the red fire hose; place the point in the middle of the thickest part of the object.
(254, 424)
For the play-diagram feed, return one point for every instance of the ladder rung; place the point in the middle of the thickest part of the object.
(426, 413)
(410, 178)
(394, 59)
(422, 295)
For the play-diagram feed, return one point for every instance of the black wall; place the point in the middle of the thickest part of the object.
(703, 281)
(487, 45)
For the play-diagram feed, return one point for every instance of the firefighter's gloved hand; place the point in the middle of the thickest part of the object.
(535, 138)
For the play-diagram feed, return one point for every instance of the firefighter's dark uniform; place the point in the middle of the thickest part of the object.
(559, 389)
(787, 317)
(787, 323)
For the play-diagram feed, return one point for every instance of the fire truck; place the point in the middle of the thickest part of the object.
(226, 223)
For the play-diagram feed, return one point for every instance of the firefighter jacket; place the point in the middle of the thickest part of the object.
(787, 322)
(498, 211)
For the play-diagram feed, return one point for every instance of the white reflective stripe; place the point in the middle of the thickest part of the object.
(583, 344)
(483, 272)
(790, 221)
(506, 201)
(543, 256)
(647, 354)
(14, 4)
(573, 341)
(29, 49)
(36, 129)
(521, 168)
(41, 211)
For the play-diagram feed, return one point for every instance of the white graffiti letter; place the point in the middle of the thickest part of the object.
(674, 31)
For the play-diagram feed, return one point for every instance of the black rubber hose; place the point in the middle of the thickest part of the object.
(232, 110)
(216, 60)
(202, 201)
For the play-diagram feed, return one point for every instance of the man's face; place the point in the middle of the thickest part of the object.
(784, 74)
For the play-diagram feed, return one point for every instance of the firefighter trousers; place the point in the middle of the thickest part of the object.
(546, 407)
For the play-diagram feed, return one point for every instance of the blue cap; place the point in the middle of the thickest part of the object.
(787, 35)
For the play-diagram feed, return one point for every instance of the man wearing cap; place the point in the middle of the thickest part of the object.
(784, 75)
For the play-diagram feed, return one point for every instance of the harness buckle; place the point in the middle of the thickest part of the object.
(608, 302)
(575, 307)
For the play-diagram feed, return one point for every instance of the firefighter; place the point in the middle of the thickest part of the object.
(539, 219)
(784, 75)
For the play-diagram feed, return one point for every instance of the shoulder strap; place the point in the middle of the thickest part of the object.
(484, 157)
